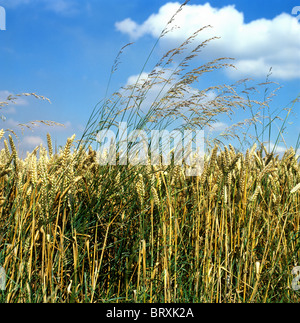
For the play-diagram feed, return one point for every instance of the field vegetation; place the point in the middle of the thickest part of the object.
(72, 230)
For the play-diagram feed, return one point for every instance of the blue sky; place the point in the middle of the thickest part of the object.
(64, 50)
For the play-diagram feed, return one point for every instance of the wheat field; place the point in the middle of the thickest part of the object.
(75, 231)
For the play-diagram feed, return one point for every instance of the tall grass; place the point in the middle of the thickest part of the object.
(72, 230)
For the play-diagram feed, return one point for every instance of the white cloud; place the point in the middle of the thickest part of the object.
(156, 92)
(218, 127)
(10, 108)
(280, 150)
(19, 100)
(33, 141)
(257, 45)
(10, 124)
(133, 78)
(128, 26)
(38, 127)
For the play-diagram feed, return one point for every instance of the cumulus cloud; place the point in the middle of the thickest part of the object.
(36, 129)
(10, 123)
(257, 45)
(28, 139)
(278, 149)
(33, 141)
(134, 78)
(157, 92)
(18, 101)
(153, 94)
(218, 127)
(10, 108)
